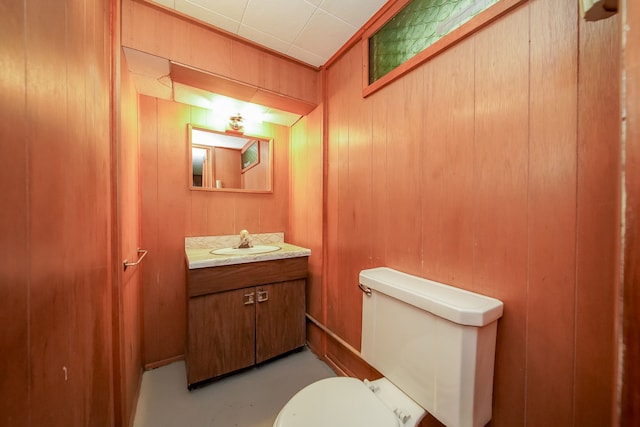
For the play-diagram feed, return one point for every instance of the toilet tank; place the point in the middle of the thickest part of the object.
(433, 341)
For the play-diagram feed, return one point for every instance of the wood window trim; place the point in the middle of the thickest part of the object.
(476, 23)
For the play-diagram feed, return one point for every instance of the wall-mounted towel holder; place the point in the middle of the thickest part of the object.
(133, 264)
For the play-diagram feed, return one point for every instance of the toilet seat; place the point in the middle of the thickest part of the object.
(336, 401)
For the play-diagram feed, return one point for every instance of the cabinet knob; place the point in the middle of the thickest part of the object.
(263, 295)
(248, 299)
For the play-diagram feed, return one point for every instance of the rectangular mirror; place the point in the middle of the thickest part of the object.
(223, 161)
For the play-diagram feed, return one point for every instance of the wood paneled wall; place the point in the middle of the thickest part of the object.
(128, 298)
(170, 212)
(306, 210)
(156, 31)
(55, 259)
(630, 387)
(493, 167)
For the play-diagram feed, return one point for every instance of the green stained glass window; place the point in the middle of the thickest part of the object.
(414, 28)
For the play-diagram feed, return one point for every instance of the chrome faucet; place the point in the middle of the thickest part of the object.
(244, 240)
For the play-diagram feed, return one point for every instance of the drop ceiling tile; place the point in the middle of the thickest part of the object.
(232, 9)
(208, 16)
(306, 56)
(356, 13)
(264, 39)
(166, 3)
(324, 34)
(282, 19)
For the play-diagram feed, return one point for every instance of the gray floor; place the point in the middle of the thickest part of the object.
(251, 398)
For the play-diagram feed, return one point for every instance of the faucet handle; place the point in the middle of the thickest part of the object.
(244, 240)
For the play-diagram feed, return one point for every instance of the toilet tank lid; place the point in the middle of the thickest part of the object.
(454, 304)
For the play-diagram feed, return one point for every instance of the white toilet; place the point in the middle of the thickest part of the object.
(433, 343)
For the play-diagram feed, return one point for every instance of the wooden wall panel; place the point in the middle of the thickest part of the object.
(598, 180)
(230, 176)
(500, 198)
(149, 220)
(258, 176)
(165, 34)
(379, 212)
(54, 279)
(305, 219)
(552, 213)
(274, 208)
(14, 251)
(314, 201)
(405, 154)
(343, 296)
(630, 387)
(447, 168)
(165, 320)
(130, 295)
(170, 212)
(306, 212)
(298, 153)
(336, 167)
(507, 176)
(355, 201)
(55, 292)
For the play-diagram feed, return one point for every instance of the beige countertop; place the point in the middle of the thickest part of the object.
(198, 250)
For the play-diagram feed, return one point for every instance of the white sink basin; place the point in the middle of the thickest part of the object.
(257, 249)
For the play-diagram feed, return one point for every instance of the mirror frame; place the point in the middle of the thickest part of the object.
(191, 126)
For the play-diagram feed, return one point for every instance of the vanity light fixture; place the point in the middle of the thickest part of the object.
(235, 123)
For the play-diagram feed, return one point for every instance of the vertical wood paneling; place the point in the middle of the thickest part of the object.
(552, 213)
(129, 206)
(630, 402)
(221, 211)
(344, 232)
(305, 220)
(355, 200)
(447, 168)
(54, 151)
(169, 319)
(597, 220)
(274, 208)
(149, 220)
(379, 212)
(14, 282)
(500, 222)
(405, 150)
(199, 221)
(314, 201)
(518, 183)
(51, 238)
(247, 215)
(299, 162)
(338, 119)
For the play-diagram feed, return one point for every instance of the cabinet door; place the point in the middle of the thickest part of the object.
(221, 334)
(280, 318)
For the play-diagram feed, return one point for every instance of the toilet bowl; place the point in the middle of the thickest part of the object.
(345, 401)
(435, 346)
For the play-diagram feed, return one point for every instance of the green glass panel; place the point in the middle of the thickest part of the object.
(417, 26)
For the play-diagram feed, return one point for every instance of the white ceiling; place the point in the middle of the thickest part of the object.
(308, 30)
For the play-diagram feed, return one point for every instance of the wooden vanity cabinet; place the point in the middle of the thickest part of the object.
(238, 317)
(280, 318)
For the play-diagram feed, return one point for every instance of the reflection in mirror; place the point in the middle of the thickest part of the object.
(229, 162)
